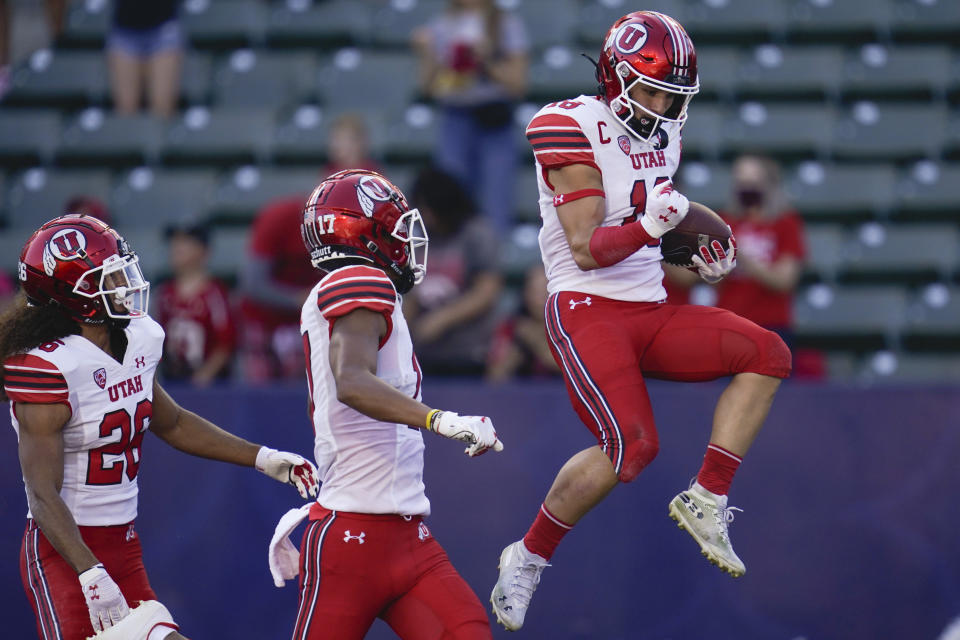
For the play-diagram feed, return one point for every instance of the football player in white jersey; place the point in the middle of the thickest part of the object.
(79, 355)
(605, 166)
(367, 552)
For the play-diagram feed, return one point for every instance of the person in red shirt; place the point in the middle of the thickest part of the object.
(770, 247)
(195, 312)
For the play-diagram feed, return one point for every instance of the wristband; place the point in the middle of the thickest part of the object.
(567, 198)
(432, 418)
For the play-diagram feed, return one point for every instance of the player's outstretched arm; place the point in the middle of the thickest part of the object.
(41, 458)
(354, 344)
(190, 433)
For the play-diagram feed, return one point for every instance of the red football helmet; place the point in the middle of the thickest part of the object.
(652, 49)
(360, 214)
(84, 266)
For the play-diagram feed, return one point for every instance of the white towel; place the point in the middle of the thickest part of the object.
(284, 557)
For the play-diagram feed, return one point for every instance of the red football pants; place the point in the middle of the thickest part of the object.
(53, 588)
(357, 567)
(605, 348)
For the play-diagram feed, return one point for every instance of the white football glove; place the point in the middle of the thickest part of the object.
(714, 267)
(149, 621)
(666, 207)
(476, 431)
(105, 603)
(289, 468)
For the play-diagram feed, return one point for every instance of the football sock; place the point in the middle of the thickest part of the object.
(545, 533)
(718, 468)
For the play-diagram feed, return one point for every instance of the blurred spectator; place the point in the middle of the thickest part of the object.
(194, 309)
(520, 347)
(144, 50)
(8, 290)
(90, 206)
(275, 280)
(473, 63)
(451, 313)
(348, 145)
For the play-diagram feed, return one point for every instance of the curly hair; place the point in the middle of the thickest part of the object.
(24, 326)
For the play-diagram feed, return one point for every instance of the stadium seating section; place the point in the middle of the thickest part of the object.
(859, 99)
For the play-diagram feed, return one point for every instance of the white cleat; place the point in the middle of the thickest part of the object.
(519, 576)
(706, 516)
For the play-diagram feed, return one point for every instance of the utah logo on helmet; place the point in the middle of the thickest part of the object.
(651, 49)
(79, 264)
(360, 216)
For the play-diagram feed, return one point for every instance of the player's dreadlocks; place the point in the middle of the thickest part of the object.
(24, 326)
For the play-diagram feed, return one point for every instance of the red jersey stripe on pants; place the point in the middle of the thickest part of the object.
(52, 587)
(606, 347)
(356, 567)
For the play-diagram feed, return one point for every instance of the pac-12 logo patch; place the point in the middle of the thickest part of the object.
(630, 38)
(624, 142)
(100, 377)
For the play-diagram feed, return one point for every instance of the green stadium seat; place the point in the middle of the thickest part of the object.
(872, 132)
(705, 183)
(29, 136)
(95, 137)
(923, 20)
(219, 136)
(932, 319)
(826, 250)
(823, 21)
(87, 24)
(62, 78)
(908, 253)
(733, 21)
(897, 72)
(597, 16)
(222, 25)
(559, 73)
(196, 76)
(394, 22)
(717, 68)
(158, 197)
(929, 190)
(520, 252)
(334, 23)
(245, 190)
(228, 251)
(37, 195)
(409, 134)
(952, 144)
(784, 131)
(841, 192)
(354, 79)
(301, 136)
(703, 128)
(150, 245)
(852, 318)
(402, 176)
(527, 195)
(548, 22)
(913, 368)
(796, 72)
(251, 78)
(11, 243)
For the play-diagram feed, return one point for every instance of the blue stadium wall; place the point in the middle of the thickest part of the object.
(850, 524)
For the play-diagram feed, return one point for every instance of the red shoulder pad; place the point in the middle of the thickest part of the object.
(353, 288)
(32, 379)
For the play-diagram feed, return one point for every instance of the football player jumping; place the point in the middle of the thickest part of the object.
(79, 356)
(366, 552)
(605, 165)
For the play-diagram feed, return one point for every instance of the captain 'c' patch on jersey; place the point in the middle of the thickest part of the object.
(558, 140)
(356, 287)
(32, 379)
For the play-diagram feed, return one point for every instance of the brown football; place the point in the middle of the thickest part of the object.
(697, 229)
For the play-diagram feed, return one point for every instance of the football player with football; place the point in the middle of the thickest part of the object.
(367, 552)
(79, 356)
(605, 166)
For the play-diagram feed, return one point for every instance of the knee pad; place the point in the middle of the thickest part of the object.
(149, 621)
(636, 456)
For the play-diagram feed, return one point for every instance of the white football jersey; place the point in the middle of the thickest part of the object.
(366, 466)
(111, 404)
(583, 131)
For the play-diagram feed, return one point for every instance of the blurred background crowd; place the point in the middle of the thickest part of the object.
(828, 136)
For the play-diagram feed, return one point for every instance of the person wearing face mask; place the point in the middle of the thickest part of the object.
(770, 247)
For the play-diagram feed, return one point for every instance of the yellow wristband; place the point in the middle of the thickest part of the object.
(430, 418)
